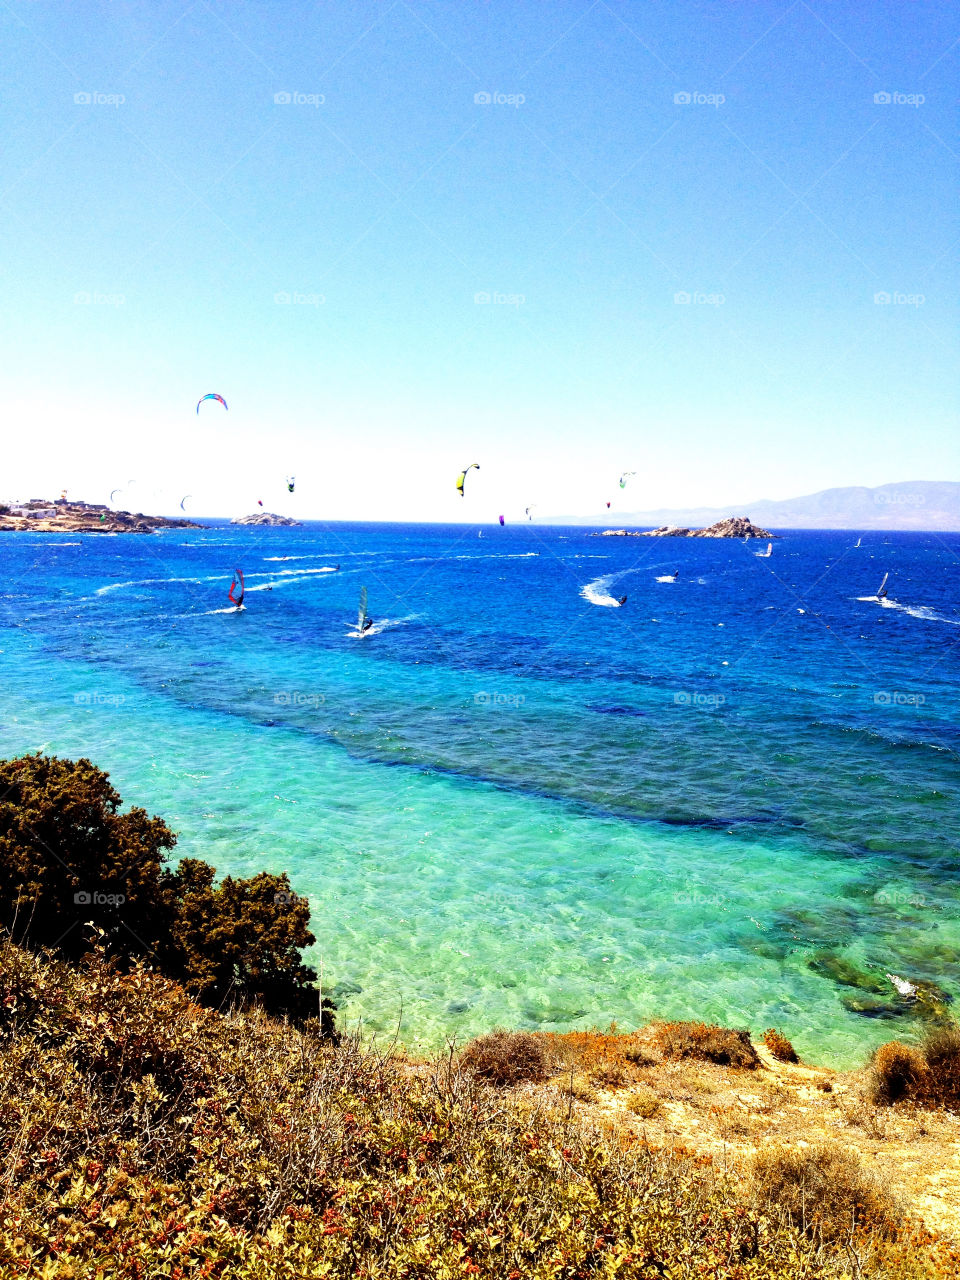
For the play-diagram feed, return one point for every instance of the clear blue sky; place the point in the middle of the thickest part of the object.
(183, 211)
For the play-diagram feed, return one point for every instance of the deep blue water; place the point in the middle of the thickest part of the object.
(514, 803)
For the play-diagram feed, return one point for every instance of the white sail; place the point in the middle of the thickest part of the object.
(859, 540)
(882, 589)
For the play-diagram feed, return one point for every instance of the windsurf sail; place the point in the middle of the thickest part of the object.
(859, 540)
(236, 586)
(362, 612)
(882, 589)
(501, 519)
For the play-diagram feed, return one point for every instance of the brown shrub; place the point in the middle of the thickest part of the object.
(823, 1190)
(609, 1075)
(707, 1042)
(506, 1057)
(780, 1046)
(940, 1085)
(643, 1102)
(897, 1071)
(639, 1056)
(579, 1087)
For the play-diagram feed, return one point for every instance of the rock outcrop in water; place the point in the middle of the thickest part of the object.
(266, 517)
(732, 527)
(39, 516)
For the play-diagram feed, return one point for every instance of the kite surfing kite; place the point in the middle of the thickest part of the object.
(236, 585)
(211, 395)
(463, 475)
(608, 506)
(183, 500)
(623, 478)
(291, 480)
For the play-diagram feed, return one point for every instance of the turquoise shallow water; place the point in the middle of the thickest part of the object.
(515, 804)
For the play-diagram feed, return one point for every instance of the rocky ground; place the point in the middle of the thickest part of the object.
(85, 517)
(728, 1114)
(732, 527)
(266, 518)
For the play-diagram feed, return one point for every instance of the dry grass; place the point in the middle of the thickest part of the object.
(146, 1136)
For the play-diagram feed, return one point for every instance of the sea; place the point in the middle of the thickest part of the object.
(515, 802)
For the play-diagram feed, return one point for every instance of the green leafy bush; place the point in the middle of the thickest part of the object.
(73, 867)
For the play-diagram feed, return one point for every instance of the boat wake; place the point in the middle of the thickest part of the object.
(385, 624)
(598, 591)
(914, 610)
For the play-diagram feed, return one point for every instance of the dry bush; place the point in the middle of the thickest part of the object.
(823, 1190)
(707, 1042)
(143, 1135)
(639, 1056)
(643, 1102)
(940, 1086)
(780, 1046)
(866, 1117)
(506, 1058)
(609, 1075)
(897, 1071)
(928, 1076)
(579, 1087)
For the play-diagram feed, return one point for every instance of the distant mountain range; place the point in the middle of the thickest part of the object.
(909, 504)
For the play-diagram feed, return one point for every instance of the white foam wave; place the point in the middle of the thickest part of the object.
(383, 625)
(597, 591)
(146, 582)
(914, 610)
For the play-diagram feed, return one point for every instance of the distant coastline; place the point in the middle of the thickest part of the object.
(921, 506)
(61, 516)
